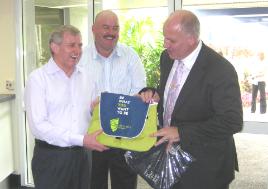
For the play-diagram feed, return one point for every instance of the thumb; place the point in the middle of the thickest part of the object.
(98, 132)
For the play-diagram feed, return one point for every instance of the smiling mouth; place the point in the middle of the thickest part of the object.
(74, 57)
(109, 37)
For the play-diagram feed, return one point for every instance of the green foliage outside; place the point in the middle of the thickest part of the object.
(148, 43)
(140, 35)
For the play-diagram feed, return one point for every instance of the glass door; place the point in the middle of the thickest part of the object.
(237, 30)
(40, 17)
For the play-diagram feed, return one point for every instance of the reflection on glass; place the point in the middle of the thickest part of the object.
(46, 19)
(50, 16)
(230, 32)
(40, 17)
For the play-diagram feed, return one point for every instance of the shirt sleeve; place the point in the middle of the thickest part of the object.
(37, 115)
(137, 73)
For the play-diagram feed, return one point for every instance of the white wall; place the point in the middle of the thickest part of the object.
(4, 185)
(6, 141)
(9, 153)
(7, 45)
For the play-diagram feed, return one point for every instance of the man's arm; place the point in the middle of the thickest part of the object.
(138, 76)
(90, 142)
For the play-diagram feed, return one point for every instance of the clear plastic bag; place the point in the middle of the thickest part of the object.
(161, 169)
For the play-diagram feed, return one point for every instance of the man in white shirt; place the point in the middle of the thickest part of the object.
(58, 98)
(258, 83)
(118, 69)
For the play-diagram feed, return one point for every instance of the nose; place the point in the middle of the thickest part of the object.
(78, 49)
(112, 30)
(166, 44)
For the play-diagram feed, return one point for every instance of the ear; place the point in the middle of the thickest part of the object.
(93, 28)
(54, 47)
(192, 40)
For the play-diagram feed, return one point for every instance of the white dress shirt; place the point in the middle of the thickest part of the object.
(259, 72)
(188, 64)
(122, 72)
(57, 106)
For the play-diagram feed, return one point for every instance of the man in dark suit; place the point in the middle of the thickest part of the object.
(206, 109)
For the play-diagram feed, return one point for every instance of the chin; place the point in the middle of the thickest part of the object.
(170, 56)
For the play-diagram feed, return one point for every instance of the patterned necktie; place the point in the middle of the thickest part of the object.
(173, 93)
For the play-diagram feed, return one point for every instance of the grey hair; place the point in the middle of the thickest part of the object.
(57, 35)
(190, 24)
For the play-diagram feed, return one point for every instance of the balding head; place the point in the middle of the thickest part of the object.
(184, 21)
(106, 32)
(104, 15)
(181, 34)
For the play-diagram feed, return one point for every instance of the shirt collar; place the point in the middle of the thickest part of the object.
(191, 58)
(117, 51)
(52, 67)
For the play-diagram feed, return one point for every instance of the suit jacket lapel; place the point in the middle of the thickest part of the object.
(166, 66)
(196, 74)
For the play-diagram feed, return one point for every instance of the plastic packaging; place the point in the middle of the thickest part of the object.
(161, 169)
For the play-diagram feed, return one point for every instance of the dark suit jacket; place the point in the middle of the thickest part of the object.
(207, 113)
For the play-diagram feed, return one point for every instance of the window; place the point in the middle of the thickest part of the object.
(40, 17)
(237, 30)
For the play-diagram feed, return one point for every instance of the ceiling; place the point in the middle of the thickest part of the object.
(247, 15)
(60, 3)
(112, 4)
(248, 11)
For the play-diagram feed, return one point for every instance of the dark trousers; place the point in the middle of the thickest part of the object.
(179, 186)
(113, 160)
(198, 176)
(255, 88)
(56, 168)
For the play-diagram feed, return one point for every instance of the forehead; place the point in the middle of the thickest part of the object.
(107, 20)
(69, 37)
(171, 32)
(172, 29)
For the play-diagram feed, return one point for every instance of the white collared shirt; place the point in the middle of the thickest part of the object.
(188, 64)
(57, 106)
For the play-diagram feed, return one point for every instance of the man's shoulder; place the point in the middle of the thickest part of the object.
(38, 71)
(37, 76)
(123, 48)
(44, 70)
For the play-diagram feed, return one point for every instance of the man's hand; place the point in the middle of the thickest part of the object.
(90, 142)
(94, 103)
(169, 134)
(149, 96)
